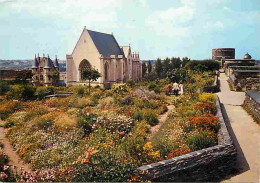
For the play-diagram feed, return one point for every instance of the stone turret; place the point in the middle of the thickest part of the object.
(47, 63)
(56, 63)
(35, 63)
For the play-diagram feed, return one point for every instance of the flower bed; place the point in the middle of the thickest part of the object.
(103, 136)
(209, 164)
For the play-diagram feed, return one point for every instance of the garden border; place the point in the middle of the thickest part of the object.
(209, 164)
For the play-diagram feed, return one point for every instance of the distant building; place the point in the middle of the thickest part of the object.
(101, 51)
(223, 53)
(45, 71)
(243, 73)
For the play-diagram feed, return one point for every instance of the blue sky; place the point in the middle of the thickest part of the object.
(155, 28)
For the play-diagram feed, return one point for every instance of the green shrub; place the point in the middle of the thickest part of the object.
(86, 121)
(150, 117)
(200, 141)
(152, 86)
(21, 92)
(4, 87)
(81, 91)
(137, 115)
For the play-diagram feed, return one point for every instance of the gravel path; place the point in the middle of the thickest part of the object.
(244, 131)
(14, 159)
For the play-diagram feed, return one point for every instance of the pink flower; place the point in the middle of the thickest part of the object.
(6, 167)
(3, 175)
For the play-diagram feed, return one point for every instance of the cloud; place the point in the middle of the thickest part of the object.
(214, 26)
(173, 21)
(80, 12)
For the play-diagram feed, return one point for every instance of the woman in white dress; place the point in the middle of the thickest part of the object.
(180, 88)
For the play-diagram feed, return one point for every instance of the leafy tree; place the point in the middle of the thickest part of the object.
(166, 66)
(202, 65)
(55, 76)
(149, 67)
(144, 69)
(172, 76)
(185, 60)
(90, 75)
(22, 76)
(158, 67)
(175, 62)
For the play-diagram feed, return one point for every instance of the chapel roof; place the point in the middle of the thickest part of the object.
(105, 43)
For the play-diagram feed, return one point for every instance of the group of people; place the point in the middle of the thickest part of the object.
(176, 89)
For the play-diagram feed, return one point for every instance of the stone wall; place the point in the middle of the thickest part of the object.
(210, 164)
(252, 104)
(243, 81)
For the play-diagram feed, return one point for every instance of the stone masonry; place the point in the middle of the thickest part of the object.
(252, 104)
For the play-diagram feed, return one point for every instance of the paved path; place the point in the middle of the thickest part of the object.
(245, 134)
(162, 118)
(14, 159)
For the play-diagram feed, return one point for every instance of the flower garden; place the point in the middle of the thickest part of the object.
(103, 136)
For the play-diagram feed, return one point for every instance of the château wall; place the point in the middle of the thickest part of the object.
(252, 104)
(210, 164)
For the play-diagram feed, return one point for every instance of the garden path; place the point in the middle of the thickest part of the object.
(14, 159)
(244, 132)
(162, 118)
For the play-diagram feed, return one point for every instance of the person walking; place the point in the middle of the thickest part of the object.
(180, 88)
(175, 89)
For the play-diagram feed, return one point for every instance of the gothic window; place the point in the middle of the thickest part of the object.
(83, 66)
(41, 77)
(106, 71)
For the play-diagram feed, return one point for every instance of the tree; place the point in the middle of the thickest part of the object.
(144, 69)
(158, 67)
(166, 66)
(175, 62)
(90, 75)
(22, 76)
(55, 76)
(185, 60)
(150, 67)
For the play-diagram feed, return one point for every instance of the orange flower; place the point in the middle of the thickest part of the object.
(84, 160)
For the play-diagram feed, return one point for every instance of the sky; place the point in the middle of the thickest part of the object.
(154, 28)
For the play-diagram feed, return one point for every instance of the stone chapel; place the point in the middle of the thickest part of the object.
(101, 51)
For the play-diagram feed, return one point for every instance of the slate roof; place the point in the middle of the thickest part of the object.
(56, 63)
(35, 63)
(105, 43)
(255, 95)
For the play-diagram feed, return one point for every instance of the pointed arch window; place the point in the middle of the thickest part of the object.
(83, 66)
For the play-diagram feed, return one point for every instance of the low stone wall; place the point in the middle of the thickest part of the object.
(252, 104)
(210, 164)
(243, 81)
